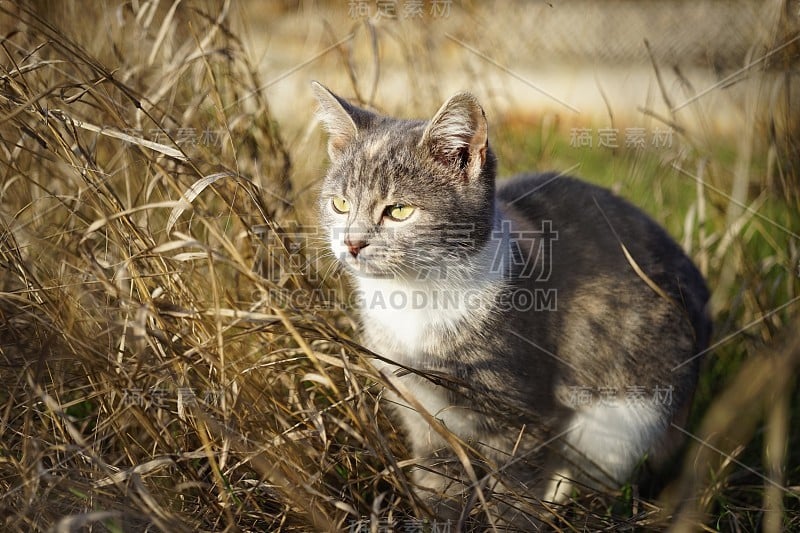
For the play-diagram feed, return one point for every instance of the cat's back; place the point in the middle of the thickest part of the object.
(589, 217)
(593, 224)
(615, 270)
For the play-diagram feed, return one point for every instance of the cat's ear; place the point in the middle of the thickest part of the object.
(342, 121)
(458, 135)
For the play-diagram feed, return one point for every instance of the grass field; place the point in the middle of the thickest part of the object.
(175, 357)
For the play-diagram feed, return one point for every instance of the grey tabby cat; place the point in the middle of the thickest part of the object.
(548, 324)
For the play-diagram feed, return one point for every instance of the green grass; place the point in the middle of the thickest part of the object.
(157, 377)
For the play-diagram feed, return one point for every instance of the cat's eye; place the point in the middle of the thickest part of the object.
(399, 212)
(340, 205)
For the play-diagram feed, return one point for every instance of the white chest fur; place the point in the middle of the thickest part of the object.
(413, 318)
(408, 318)
(413, 324)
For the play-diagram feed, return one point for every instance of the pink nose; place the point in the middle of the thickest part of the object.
(354, 247)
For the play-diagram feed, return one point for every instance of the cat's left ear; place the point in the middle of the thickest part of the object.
(342, 120)
(458, 135)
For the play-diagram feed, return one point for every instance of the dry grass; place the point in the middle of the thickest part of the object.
(161, 371)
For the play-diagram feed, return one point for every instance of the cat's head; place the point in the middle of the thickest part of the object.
(406, 198)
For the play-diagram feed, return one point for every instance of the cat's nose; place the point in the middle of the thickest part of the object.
(355, 246)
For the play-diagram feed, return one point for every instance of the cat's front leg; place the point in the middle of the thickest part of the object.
(444, 486)
(439, 480)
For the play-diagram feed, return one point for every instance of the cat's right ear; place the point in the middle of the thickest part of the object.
(458, 135)
(341, 120)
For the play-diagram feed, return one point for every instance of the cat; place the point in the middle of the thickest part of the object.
(547, 324)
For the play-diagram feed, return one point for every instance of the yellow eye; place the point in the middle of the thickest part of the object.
(340, 205)
(399, 212)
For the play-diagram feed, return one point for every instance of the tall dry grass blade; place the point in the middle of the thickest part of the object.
(190, 194)
(730, 422)
(775, 457)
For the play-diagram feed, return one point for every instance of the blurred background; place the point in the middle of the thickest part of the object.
(581, 60)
